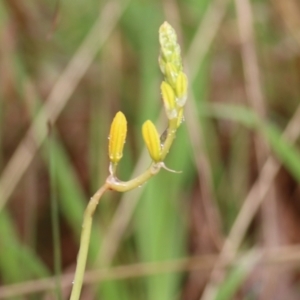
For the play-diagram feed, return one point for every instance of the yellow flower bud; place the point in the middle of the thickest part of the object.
(171, 74)
(181, 89)
(117, 137)
(168, 96)
(152, 141)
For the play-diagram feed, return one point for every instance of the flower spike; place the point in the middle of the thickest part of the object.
(152, 140)
(174, 94)
(117, 136)
(170, 50)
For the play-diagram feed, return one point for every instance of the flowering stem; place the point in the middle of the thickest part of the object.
(174, 93)
(84, 241)
(170, 138)
(116, 185)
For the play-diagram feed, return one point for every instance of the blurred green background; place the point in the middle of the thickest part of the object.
(66, 68)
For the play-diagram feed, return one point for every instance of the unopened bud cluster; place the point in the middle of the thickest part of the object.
(174, 87)
(174, 95)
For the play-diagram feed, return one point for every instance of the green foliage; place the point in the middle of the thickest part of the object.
(125, 76)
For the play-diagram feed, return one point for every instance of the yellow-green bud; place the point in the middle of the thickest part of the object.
(117, 136)
(170, 50)
(171, 74)
(181, 89)
(168, 96)
(152, 141)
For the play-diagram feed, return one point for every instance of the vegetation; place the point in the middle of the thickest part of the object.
(226, 227)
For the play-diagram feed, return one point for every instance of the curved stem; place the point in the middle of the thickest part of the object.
(84, 242)
(121, 186)
(124, 186)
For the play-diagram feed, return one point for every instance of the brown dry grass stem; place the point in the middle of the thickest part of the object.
(256, 101)
(59, 96)
(288, 256)
(270, 168)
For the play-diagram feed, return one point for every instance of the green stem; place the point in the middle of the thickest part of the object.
(84, 242)
(121, 186)
(170, 138)
(124, 186)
